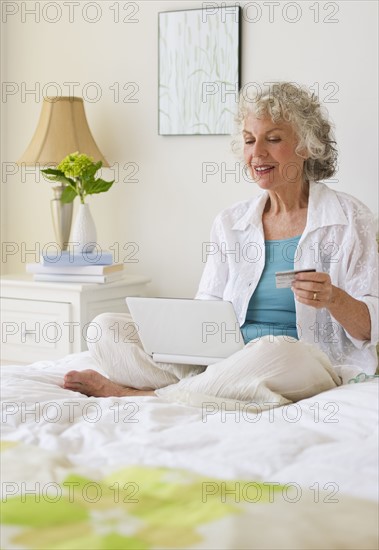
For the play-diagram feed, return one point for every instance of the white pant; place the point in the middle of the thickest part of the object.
(114, 343)
(294, 372)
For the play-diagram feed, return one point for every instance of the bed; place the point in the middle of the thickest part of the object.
(112, 473)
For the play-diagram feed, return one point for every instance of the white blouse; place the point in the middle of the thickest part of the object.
(339, 238)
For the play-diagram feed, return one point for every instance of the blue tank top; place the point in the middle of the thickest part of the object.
(271, 310)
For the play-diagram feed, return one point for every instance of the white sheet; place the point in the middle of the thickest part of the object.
(333, 442)
(325, 449)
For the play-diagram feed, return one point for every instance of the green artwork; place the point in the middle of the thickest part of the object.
(198, 70)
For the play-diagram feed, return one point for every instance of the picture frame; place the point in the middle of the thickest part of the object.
(199, 70)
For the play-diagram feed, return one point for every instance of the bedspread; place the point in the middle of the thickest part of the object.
(81, 472)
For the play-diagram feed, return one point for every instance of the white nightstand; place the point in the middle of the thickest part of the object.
(41, 320)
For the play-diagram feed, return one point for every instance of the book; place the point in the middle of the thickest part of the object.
(67, 257)
(59, 278)
(56, 269)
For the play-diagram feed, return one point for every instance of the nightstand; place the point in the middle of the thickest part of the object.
(48, 320)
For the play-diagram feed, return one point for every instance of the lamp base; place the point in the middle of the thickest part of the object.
(62, 217)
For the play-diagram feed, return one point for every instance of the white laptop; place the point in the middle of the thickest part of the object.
(186, 331)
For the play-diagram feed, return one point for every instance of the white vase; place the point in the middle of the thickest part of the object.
(84, 230)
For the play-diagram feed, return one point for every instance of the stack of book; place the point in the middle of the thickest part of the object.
(77, 268)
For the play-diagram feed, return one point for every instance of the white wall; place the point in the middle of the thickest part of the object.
(168, 212)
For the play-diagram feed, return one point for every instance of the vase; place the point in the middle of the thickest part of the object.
(84, 231)
(62, 217)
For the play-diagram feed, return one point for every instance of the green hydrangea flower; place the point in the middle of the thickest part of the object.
(75, 165)
(77, 174)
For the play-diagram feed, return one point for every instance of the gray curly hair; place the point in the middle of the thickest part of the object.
(295, 104)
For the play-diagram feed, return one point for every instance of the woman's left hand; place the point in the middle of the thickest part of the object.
(313, 288)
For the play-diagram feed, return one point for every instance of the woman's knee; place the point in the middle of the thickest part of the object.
(109, 330)
(108, 326)
(293, 368)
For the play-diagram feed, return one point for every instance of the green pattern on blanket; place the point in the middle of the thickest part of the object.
(7, 445)
(135, 507)
(149, 508)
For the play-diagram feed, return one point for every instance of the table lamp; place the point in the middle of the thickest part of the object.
(62, 129)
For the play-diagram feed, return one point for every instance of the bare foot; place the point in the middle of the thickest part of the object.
(94, 384)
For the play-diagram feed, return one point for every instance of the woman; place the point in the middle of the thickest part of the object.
(297, 224)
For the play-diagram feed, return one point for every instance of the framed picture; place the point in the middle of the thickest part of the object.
(199, 70)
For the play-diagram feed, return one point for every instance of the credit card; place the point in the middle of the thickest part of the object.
(284, 279)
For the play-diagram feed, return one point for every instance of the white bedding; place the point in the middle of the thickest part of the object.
(325, 448)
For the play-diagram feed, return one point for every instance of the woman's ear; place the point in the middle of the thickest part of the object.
(304, 153)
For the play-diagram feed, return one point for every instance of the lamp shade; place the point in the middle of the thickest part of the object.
(62, 129)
